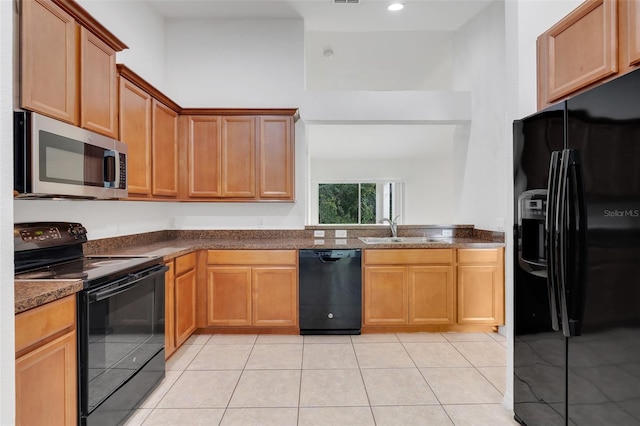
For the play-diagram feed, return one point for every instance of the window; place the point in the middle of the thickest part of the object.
(357, 203)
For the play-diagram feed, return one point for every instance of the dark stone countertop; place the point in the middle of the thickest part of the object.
(30, 294)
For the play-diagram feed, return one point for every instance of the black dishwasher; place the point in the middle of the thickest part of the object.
(330, 291)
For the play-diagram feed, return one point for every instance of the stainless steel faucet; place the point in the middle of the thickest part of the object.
(392, 224)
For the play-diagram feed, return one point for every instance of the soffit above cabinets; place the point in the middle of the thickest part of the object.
(324, 15)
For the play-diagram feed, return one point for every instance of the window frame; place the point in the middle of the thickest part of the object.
(397, 200)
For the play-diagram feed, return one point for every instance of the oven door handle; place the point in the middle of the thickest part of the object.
(125, 283)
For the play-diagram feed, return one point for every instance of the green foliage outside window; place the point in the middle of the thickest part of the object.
(348, 203)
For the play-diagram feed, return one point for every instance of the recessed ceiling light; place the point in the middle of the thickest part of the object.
(394, 7)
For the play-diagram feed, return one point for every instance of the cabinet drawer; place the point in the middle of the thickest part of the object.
(479, 255)
(38, 324)
(252, 257)
(407, 256)
(185, 263)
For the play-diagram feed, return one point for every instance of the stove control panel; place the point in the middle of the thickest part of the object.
(31, 236)
(40, 234)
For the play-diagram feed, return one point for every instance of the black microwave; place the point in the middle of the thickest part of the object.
(57, 159)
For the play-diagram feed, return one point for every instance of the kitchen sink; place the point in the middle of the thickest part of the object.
(403, 240)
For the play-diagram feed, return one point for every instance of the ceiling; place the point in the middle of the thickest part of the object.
(324, 15)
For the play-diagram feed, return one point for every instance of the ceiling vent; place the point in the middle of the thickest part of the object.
(346, 1)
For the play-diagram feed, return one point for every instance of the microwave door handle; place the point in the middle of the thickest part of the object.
(550, 231)
(109, 168)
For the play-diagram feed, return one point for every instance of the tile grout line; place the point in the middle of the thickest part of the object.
(238, 381)
(477, 368)
(425, 379)
(364, 385)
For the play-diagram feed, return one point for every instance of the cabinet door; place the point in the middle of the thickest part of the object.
(49, 49)
(164, 137)
(205, 153)
(98, 95)
(629, 33)
(579, 50)
(169, 312)
(385, 295)
(46, 384)
(238, 157)
(185, 306)
(228, 295)
(480, 294)
(431, 295)
(274, 296)
(276, 153)
(135, 131)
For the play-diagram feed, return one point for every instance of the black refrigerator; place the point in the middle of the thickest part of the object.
(577, 259)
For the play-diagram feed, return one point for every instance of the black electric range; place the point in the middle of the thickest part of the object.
(120, 316)
(53, 250)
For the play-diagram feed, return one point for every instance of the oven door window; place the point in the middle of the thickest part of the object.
(64, 160)
(125, 330)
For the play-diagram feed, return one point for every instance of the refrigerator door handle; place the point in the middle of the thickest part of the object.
(562, 224)
(550, 235)
(576, 228)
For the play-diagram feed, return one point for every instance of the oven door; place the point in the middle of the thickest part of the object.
(121, 345)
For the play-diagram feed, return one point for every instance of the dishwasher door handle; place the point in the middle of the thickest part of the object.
(329, 259)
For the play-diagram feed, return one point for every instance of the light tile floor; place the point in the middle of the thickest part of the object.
(373, 379)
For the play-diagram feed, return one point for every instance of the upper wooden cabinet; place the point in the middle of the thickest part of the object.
(204, 148)
(629, 40)
(135, 131)
(235, 157)
(49, 49)
(598, 41)
(579, 50)
(238, 157)
(164, 151)
(276, 164)
(148, 123)
(58, 39)
(98, 106)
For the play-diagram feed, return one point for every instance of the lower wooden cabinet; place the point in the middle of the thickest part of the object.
(481, 286)
(228, 295)
(252, 288)
(385, 295)
(416, 288)
(431, 295)
(169, 311)
(46, 369)
(274, 296)
(180, 301)
(433, 288)
(185, 297)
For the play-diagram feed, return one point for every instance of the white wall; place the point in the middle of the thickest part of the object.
(525, 21)
(479, 67)
(428, 183)
(7, 350)
(390, 60)
(235, 63)
(141, 28)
